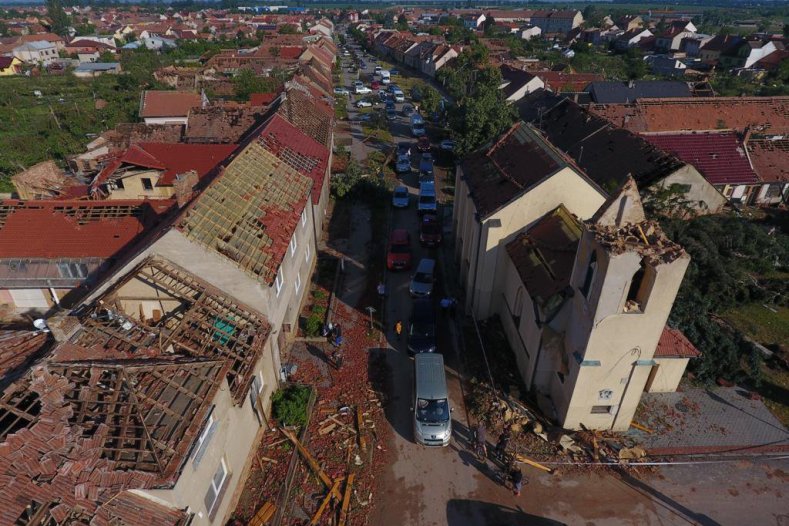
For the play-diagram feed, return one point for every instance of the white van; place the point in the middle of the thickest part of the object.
(385, 76)
(432, 418)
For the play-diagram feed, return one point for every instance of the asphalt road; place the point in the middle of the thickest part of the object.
(447, 486)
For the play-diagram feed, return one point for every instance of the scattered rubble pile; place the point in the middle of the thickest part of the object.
(539, 443)
(342, 451)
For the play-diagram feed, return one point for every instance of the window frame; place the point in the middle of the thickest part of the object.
(307, 253)
(297, 282)
(294, 244)
(304, 217)
(217, 490)
(145, 186)
(279, 281)
(601, 409)
(201, 445)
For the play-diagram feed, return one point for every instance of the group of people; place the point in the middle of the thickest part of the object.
(515, 475)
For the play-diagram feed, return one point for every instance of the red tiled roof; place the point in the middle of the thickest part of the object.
(72, 229)
(89, 44)
(770, 158)
(300, 151)
(558, 81)
(170, 158)
(168, 103)
(262, 99)
(674, 344)
(720, 157)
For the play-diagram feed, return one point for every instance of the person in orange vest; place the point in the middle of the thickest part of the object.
(399, 328)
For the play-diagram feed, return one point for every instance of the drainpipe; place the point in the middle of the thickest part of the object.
(633, 352)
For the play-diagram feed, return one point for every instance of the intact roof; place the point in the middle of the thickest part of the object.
(89, 43)
(616, 92)
(674, 344)
(720, 157)
(515, 163)
(559, 81)
(516, 78)
(74, 229)
(606, 153)
(544, 254)
(249, 212)
(301, 152)
(770, 158)
(762, 115)
(6, 61)
(157, 103)
(170, 158)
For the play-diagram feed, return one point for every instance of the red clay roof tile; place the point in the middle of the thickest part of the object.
(168, 103)
(674, 344)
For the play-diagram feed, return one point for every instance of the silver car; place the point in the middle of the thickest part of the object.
(422, 280)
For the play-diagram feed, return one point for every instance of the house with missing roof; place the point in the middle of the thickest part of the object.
(582, 282)
(169, 107)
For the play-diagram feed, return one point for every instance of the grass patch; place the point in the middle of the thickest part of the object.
(760, 323)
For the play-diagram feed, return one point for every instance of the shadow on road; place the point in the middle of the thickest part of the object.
(395, 409)
(462, 512)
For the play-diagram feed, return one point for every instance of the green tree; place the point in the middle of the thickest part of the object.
(3, 29)
(60, 21)
(287, 29)
(430, 98)
(402, 23)
(246, 83)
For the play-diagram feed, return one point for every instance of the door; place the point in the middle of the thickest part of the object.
(651, 378)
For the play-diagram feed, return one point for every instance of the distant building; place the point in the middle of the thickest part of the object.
(168, 107)
(617, 92)
(10, 66)
(552, 22)
(95, 69)
(37, 52)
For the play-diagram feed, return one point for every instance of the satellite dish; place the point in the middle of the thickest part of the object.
(41, 325)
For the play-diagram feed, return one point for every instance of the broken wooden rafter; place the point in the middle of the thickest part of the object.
(521, 458)
(359, 427)
(335, 489)
(346, 500)
(312, 463)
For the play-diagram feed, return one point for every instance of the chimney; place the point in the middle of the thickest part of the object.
(184, 187)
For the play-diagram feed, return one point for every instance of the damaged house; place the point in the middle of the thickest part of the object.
(582, 281)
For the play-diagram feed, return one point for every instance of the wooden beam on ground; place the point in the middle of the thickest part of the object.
(334, 489)
(312, 463)
(642, 428)
(359, 427)
(263, 515)
(521, 458)
(346, 500)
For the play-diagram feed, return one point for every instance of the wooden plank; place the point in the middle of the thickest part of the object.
(359, 427)
(521, 458)
(264, 514)
(346, 500)
(311, 462)
(642, 428)
(334, 489)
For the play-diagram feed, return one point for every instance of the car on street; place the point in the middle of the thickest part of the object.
(448, 145)
(342, 91)
(398, 255)
(391, 114)
(422, 280)
(430, 231)
(394, 72)
(382, 95)
(408, 110)
(403, 164)
(423, 144)
(362, 64)
(426, 164)
(375, 85)
(404, 148)
(422, 327)
(364, 104)
(377, 70)
(427, 198)
(400, 197)
(366, 117)
(363, 90)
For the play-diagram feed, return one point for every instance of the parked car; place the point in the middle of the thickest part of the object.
(422, 327)
(416, 94)
(398, 255)
(398, 95)
(382, 96)
(422, 280)
(404, 148)
(430, 231)
(363, 90)
(427, 198)
(408, 110)
(448, 145)
(363, 64)
(364, 104)
(426, 164)
(391, 114)
(400, 197)
(342, 91)
(377, 70)
(375, 85)
(394, 72)
(403, 164)
(423, 144)
(392, 88)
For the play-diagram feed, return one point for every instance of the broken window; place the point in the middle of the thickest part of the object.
(119, 184)
(638, 292)
(589, 278)
(147, 184)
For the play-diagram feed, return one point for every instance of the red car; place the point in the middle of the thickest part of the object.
(375, 85)
(430, 231)
(398, 254)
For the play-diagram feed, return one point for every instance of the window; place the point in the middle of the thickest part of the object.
(590, 270)
(640, 287)
(204, 439)
(304, 217)
(119, 184)
(601, 409)
(298, 283)
(215, 487)
(73, 270)
(254, 395)
(279, 281)
(147, 184)
(293, 245)
(307, 253)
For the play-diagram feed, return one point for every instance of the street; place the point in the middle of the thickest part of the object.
(449, 486)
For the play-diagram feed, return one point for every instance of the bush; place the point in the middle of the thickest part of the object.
(313, 325)
(320, 310)
(289, 405)
(318, 294)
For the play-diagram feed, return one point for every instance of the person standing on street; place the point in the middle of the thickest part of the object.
(517, 480)
(398, 329)
(504, 440)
